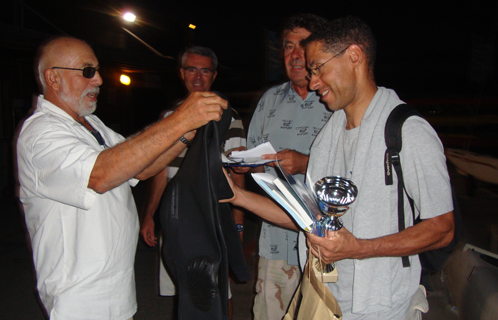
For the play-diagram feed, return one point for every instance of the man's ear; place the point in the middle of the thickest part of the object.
(52, 79)
(356, 55)
(214, 75)
(182, 74)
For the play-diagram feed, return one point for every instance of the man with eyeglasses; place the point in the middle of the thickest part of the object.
(75, 176)
(368, 250)
(290, 117)
(198, 70)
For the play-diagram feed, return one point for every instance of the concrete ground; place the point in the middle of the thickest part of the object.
(18, 298)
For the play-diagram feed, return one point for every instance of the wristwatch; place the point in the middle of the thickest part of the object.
(184, 140)
(240, 227)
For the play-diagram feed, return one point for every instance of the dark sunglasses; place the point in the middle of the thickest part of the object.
(88, 72)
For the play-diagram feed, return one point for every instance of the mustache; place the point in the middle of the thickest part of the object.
(91, 90)
(299, 63)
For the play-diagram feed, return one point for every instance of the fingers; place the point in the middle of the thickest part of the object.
(208, 94)
(213, 99)
(241, 148)
(241, 170)
(210, 107)
(270, 156)
(285, 151)
(200, 108)
(330, 234)
(322, 247)
(150, 238)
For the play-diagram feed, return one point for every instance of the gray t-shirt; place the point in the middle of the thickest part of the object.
(380, 288)
(288, 122)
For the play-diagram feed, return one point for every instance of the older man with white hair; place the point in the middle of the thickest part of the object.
(75, 176)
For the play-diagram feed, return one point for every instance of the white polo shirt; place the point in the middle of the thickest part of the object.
(83, 242)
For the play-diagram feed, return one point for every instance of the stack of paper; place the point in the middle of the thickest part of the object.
(249, 158)
(281, 192)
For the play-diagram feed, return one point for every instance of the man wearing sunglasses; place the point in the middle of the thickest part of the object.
(75, 176)
(198, 70)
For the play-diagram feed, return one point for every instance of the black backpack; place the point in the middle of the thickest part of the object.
(432, 260)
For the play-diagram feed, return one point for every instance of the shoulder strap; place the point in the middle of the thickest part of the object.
(392, 136)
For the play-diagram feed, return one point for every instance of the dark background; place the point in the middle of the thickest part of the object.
(433, 54)
(439, 56)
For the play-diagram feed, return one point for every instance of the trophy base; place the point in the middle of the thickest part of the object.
(331, 276)
(333, 224)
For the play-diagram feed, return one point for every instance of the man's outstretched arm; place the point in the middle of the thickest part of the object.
(146, 154)
(260, 206)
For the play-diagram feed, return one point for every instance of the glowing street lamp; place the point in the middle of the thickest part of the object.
(128, 16)
(125, 80)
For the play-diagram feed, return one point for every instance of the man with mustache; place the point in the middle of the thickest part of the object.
(290, 117)
(75, 176)
(198, 70)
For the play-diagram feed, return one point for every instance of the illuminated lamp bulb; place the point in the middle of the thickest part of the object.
(129, 16)
(125, 80)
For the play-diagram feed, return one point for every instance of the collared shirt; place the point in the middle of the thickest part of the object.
(288, 122)
(83, 242)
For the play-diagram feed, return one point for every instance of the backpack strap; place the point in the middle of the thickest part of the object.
(392, 136)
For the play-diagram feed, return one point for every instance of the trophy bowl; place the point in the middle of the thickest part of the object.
(334, 195)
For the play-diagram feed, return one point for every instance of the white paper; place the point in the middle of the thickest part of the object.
(256, 152)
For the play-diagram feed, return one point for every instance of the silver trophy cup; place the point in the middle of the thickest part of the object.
(335, 195)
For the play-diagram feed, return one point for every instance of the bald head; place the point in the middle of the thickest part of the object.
(58, 52)
(64, 83)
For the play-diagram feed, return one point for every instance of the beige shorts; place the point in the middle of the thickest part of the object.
(277, 281)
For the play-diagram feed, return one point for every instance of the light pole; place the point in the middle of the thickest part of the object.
(130, 17)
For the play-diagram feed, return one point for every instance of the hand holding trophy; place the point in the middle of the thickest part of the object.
(316, 208)
(334, 195)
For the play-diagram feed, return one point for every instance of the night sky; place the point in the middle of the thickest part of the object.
(424, 48)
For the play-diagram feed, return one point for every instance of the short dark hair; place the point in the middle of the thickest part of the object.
(343, 32)
(307, 21)
(201, 51)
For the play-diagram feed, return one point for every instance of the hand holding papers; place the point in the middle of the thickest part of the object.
(249, 158)
(281, 192)
(294, 197)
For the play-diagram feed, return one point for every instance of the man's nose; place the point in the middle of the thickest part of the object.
(314, 82)
(97, 79)
(298, 53)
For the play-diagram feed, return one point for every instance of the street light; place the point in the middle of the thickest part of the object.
(125, 80)
(128, 16)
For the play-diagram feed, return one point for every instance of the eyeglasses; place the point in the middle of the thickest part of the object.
(193, 70)
(88, 72)
(316, 71)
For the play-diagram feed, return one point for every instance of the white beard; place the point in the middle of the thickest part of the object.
(78, 105)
